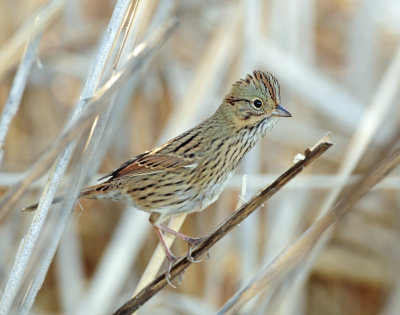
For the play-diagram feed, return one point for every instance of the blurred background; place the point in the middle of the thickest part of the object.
(338, 65)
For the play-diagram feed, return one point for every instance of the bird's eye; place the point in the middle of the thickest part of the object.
(257, 103)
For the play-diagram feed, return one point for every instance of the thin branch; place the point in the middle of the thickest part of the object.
(236, 218)
(290, 258)
(368, 127)
(11, 51)
(18, 88)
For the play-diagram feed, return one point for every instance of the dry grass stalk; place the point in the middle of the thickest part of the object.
(12, 51)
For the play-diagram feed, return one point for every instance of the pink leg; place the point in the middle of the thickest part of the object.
(170, 257)
(191, 241)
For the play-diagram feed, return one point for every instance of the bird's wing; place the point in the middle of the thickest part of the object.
(149, 162)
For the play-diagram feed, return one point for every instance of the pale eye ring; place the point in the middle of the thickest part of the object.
(257, 103)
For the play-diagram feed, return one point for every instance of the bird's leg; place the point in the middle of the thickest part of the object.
(170, 257)
(191, 241)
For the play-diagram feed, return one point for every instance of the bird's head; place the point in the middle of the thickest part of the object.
(254, 99)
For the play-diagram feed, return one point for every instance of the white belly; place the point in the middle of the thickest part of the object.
(212, 192)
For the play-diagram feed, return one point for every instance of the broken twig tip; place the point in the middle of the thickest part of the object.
(325, 139)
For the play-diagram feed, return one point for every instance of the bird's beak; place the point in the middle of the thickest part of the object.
(279, 111)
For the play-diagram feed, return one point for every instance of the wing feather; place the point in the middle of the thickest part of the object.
(148, 163)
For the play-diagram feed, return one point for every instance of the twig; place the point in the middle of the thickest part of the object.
(11, 51)
(367, 128)
(18, 88)
(289, 258)
(232, 221)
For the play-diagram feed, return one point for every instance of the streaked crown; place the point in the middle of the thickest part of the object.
(261, 83)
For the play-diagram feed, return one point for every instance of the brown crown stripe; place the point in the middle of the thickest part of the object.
(268, 80)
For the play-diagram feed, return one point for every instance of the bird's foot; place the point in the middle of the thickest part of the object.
(171, 260)
(192, 243)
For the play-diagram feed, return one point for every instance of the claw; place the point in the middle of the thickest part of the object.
(171, 261)
(192, 242)
(192, 260)
(195, 261)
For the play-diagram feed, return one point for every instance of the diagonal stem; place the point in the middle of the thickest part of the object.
(288, 259)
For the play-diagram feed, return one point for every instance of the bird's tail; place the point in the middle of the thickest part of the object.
(89, 192)
(34, 206)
